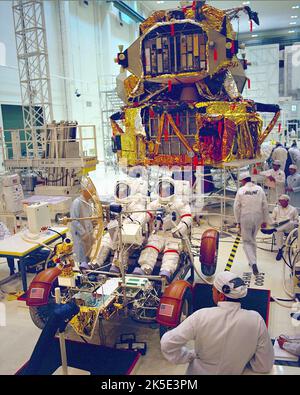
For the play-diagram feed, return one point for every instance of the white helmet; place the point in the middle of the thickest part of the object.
(123, 191)
(127, 189)
(166, 189)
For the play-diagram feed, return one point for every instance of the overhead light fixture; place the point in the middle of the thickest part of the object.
(160, 2)
(295, 7)
(246, 2)
(294, 16)
(293, 23)
(254, 35)
(292, 31)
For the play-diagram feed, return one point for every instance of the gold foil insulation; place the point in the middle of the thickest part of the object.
(133, 86)
(157, 16)
(214, 20)
(220, 132)
(133, 144)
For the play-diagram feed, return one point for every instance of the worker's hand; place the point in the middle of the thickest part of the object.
(263, 225)
(238, 227)
(281, 341)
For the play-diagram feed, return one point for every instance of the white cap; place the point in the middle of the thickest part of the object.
(244, 175)
(231, 285)
(87, 184)
(293, 167)
(277, 162)
(284, 197)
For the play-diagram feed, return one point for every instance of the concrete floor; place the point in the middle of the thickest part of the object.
(19, 335)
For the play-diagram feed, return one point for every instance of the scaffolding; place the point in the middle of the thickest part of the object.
(111, 103)
(67, 150)
(33, 63)
(59, 152)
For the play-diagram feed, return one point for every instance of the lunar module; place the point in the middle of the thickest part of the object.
(183, 97)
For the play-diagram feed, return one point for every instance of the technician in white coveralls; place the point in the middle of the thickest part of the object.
(282, 212)
(131, 195)
(293, 186)
(172, 221)
(251, 212)
(82, 231)
(226, 338)
(275, 181)
(281, 154)
(295, 154)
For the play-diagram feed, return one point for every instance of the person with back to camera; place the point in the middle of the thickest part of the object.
(251, 212)
(227, 338)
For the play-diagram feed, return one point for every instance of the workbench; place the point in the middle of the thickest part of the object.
(16, 247)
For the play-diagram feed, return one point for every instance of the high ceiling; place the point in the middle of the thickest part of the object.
(276, 14)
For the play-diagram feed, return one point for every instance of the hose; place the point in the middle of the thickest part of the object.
(36, 242)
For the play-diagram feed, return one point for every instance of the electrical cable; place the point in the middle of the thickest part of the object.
(60, 234)
(281, 304)
(283, 300)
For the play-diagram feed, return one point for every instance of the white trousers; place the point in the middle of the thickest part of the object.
(250, 225)
(107, 247)
(157, 243)
(279, 235)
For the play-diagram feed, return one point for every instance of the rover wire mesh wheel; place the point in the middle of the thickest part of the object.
(185, 311)
(41, 314)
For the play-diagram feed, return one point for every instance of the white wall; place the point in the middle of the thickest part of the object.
(9, 77)
(263, 73)
(82, 44)
(264, 78)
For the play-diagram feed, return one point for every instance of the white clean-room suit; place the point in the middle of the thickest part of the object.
(276, 188)
(281, 154)
(250, 211)
(293, 181)
(295, 156)
(82, 231)
(225, 337)
(281, 214)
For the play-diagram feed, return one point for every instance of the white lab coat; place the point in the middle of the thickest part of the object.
(281, 154)
(293, 181)
(295, 156)
(281, 214)
(81, 229)
(250, 211)
(225, 338)
(276, 188)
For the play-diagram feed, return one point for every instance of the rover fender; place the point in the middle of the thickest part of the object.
(170, 307)
(40, 287)
(209, 251)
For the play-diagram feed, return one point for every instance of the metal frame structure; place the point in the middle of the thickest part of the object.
(111, 104)
(33, 63)
(220, 197)
(60, 151)
(56, 151)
